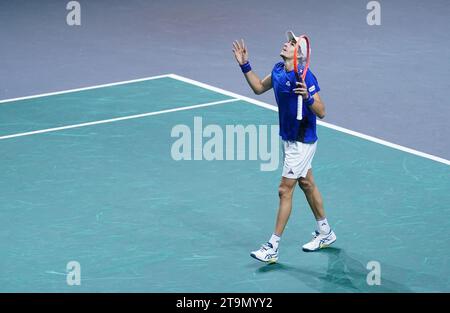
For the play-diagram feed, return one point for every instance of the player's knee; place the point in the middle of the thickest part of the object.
(284, 191)
(305, 185)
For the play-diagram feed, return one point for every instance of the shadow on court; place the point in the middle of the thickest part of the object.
(343, 274)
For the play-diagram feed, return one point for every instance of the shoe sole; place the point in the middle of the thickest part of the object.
(270, 261)
(321, 247)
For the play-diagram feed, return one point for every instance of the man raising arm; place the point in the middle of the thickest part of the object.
(299, 142)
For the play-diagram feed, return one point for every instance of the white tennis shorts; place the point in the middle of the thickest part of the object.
(297, 158)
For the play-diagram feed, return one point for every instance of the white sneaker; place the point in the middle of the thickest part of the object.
(266, 253)
(319, 241)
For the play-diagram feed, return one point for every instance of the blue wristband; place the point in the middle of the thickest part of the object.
(309, 101)
(246, 67)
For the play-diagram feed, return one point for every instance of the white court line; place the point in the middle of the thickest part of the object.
(85, 88)
(237, 96)
(48, 130)
(328, 125)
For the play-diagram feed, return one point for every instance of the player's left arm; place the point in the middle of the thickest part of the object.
(318, 107)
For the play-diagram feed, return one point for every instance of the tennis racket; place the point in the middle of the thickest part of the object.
(302, 54)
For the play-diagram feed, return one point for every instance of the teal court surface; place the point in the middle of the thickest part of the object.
(88, 176)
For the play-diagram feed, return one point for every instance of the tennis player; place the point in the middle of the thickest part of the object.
(299, 142)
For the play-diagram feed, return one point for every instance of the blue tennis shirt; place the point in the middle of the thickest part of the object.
(292, 129)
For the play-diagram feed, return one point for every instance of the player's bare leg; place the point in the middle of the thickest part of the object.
(312, 195)
(269, 251)
(285, 192)
(324, 235)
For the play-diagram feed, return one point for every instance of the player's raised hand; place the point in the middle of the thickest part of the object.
(240, 52)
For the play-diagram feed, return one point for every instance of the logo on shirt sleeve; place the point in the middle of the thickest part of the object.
(312, 88)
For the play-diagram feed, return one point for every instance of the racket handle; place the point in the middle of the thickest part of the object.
(299, 108)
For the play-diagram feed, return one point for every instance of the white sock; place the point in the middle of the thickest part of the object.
(274, 241)
(323, 226)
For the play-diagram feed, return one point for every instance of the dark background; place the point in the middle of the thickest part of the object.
(390, 81)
